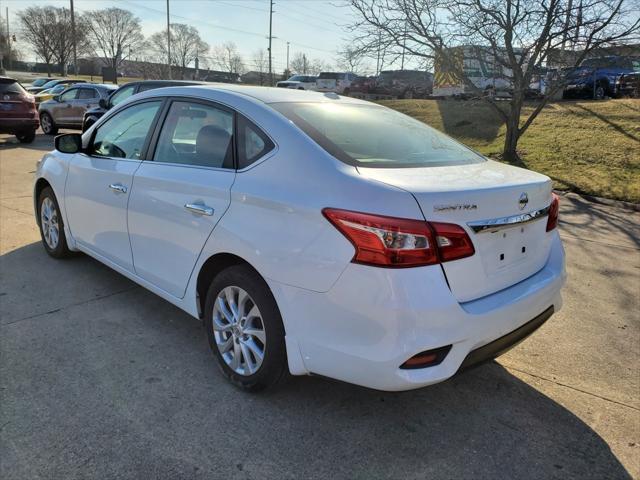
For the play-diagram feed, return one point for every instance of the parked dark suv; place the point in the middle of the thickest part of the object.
(598, 77)
(124, 92)
(18, 114)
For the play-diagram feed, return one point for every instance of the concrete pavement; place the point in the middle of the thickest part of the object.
(99, 378)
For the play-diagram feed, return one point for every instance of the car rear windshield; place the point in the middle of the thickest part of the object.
(375, 136)
(11, 87)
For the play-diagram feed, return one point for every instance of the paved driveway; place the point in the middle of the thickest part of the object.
(101, 379)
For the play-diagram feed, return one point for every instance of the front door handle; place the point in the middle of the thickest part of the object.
(199, 208)
(118, 187)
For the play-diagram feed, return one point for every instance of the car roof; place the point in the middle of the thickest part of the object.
(7, 80)
(262, 94)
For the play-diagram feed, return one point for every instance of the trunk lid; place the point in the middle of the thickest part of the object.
(478, 194)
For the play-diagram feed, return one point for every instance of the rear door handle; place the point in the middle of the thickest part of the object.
(199, 209)
(118, 187)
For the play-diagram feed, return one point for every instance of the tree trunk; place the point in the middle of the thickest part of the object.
(509, 151)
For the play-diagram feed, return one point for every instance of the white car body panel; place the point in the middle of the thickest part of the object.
(343, 320)
(96, 214)
(160, 227)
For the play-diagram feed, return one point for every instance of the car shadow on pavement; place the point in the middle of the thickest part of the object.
(42, 142)
(103, 378)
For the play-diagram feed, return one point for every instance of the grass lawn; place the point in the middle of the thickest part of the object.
(584, 146)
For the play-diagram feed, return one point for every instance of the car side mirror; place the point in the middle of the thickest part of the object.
(57, 98)
(103, 103)
(68, 143)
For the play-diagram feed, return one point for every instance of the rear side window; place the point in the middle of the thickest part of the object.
(87, 93)
(253, 143)
(196, 134)
(124, 134)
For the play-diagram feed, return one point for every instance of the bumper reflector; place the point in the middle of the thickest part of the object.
(428, 358)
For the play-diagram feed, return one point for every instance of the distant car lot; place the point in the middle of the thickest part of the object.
(100, 378)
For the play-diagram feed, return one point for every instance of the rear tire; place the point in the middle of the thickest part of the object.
(249, 347)
(600, 93)
(48, 125)
(26, 137)
(51, 225)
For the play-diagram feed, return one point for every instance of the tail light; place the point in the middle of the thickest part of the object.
(400, 242)
(554, 208)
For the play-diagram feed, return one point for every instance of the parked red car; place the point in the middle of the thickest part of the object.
(18, 113)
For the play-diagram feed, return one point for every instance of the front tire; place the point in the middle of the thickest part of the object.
(245, 329)
(47, 124)
(51, 225)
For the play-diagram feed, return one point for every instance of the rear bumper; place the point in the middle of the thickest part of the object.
(17, 125)
(373, 320)
(506, 342)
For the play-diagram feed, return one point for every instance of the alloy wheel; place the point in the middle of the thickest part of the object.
(239, 330)
(45, 122)
(49, 223)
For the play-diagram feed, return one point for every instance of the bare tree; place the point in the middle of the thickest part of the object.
(116, 33)
(260, 62)
(227, 58)
(61, 37)
(300, 63)
(350, 58)
(37, 23)
(518, 36)
(303, 65)
(186, 45)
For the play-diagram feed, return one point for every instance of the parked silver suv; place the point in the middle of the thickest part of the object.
(67, 109)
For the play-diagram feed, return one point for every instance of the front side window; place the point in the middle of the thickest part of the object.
(69, 95)
(122, 95)
(375, 136)
(124, 134)
(253, 143)
(196, 134)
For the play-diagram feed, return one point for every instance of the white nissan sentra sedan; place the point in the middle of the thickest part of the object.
(312, 233)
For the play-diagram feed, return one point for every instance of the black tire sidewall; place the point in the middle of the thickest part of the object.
(274, 365)
(61, 249)
(53, 128)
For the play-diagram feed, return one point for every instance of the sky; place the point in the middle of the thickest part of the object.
(314, 27)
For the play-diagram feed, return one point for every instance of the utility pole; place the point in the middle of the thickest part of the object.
(287, 58)
(73, 38)
(270, 37)
(8, 41)
(168, 42)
